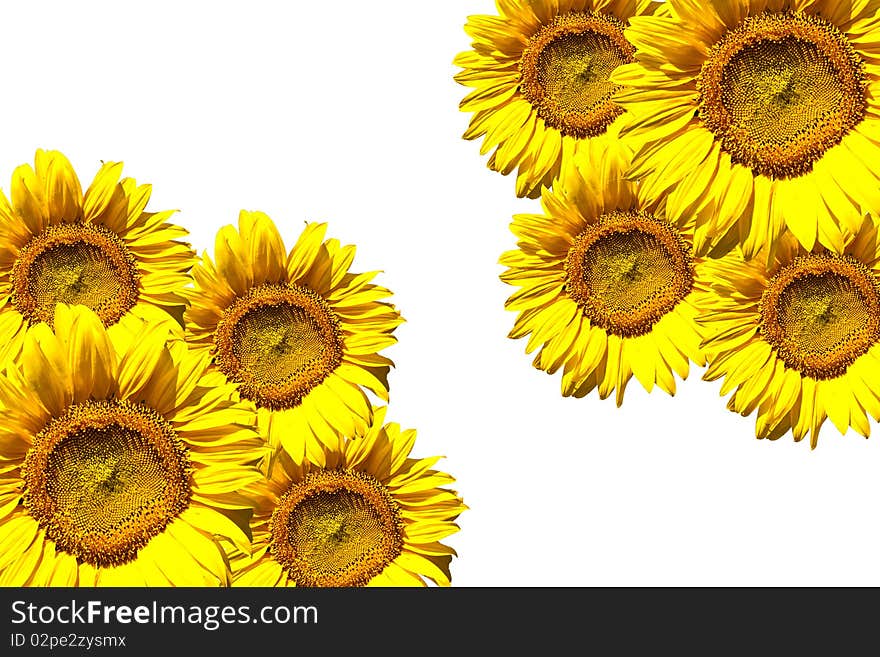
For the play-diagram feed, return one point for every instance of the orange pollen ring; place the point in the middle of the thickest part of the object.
(76, 263)
(779, 90)
(564, 71)
(820, 313)
(278, 342)
(336, 528)
(627, 270)
(105, 478)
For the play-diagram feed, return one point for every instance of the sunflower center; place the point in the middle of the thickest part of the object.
(781, 89)
(336, 528)
(278, 342)
(565, 69)
(627, 270)
(104, 478)
(78, 263)
(820, 313)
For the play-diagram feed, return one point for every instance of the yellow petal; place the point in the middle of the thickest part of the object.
(27, 199)
(89, 351)
(63, 191)
(139, 362)
(303, 254)
(233, 263)
(265, 247)
(100, 192)
(417, 563)
(45, 369)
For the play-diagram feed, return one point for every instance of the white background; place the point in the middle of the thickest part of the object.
(347, 112)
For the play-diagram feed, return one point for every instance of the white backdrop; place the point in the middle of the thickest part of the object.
(347, 112)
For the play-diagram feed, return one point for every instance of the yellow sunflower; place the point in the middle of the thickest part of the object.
(116, 452)
(797, 339)
(297, 332)
(756, 115)
(540, 73)
(358, 512)
(100, 249)
(606, 284)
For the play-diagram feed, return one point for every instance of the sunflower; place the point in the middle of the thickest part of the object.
(100, 249)
(354, 513)
(298, 333)
(607, 281)
(757, 115)
(797, 339)
(540, 73)
(117, 451)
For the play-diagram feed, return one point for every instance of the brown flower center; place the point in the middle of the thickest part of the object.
(76, 263)
(278, 342)
(627, 270)
(104, 478)
(820, 313)
(336, 528)
(781, 89)
(565, 69)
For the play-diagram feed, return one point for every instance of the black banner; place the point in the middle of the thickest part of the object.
(560, 620)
